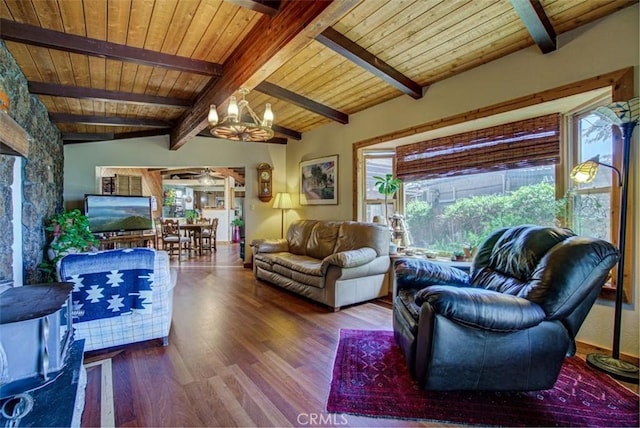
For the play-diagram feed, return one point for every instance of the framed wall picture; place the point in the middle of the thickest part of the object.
(319, 181)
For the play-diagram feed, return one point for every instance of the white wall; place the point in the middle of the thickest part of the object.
(261, 220)
(607, 45)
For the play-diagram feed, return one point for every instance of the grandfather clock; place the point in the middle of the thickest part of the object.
(265, 182)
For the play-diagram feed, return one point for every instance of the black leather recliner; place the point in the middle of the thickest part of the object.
(509, 323)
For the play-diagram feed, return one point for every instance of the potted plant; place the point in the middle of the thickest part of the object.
(191, 216)
(387, 185)
(457, 255)
(70, 233)
(237, 224)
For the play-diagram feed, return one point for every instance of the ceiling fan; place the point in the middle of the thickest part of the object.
(206, 177)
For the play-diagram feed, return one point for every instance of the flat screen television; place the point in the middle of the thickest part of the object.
(116, 213)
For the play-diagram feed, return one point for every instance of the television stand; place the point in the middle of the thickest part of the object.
(143, 239)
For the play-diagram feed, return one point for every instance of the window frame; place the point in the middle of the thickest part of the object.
(608, 291)
(396, 201)
(619, 84)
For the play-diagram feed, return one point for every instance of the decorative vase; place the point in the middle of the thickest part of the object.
(236, 234)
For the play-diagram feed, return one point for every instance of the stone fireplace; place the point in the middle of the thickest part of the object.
(30, 186)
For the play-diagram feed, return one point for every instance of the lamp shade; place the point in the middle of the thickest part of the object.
(282, 201)
(620, 112)
(586, 171)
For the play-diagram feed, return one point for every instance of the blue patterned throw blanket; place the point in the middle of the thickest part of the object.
(109, 283)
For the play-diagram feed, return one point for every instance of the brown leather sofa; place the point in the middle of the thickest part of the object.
(336, 263)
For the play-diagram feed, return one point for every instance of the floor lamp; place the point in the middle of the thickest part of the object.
(282, 202)
(625, 116)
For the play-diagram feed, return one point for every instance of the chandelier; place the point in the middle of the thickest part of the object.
(238, 127)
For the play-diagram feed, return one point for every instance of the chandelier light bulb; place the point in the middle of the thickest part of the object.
(232, 111)
(268, 116)
(213, 115)
(241, 123)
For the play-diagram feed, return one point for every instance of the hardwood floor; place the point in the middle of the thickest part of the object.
(241, 353)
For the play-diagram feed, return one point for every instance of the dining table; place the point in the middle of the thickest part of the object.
(194, 231)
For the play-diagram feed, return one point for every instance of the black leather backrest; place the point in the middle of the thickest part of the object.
(507, 259)
(569, 278)
(552, 267)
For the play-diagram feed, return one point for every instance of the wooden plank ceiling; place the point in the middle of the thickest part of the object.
(110, 69)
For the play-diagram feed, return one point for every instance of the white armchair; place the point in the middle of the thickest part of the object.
(120, 296)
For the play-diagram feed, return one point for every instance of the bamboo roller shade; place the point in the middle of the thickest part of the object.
(520, 144)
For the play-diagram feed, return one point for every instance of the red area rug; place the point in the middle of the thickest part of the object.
(370, 378)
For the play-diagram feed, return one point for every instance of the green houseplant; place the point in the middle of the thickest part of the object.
(69, 232)
(387, 186)
(191, 216)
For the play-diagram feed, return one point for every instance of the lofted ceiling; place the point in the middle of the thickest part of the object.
(113, 69)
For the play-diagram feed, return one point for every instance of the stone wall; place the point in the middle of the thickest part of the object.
(42, 174)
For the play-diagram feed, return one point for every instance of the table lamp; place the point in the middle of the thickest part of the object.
(282, 202)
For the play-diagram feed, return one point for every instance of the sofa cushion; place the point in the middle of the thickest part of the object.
(298, 236)
(302, 278)
(354, 235)
(303, 264)
(322, 239)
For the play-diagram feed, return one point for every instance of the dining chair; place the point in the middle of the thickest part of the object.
(208, 236)
(172, 238)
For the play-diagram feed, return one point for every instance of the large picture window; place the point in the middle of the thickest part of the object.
(445, 215)
(460, 188)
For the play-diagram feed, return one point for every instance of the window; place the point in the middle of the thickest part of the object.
(460, 188)
(448, 214)
(591, 213)
(377, 164)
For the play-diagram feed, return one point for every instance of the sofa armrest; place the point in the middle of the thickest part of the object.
(420, 273)
(164, 275)
(269, 245)
(481, 308)
(349, 259)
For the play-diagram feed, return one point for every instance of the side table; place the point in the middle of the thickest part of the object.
(462, 265)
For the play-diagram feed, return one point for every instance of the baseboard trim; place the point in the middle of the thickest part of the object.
(588, 348)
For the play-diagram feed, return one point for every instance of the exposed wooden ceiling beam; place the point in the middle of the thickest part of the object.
(269, 44)
(533, 17)
(337, 42)
(287, 132)
(86, 137)
(228, 172)
(266, 7)
(54, 90)
(108, 120)
(301, 101)
(37, 36)
(76, 138)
